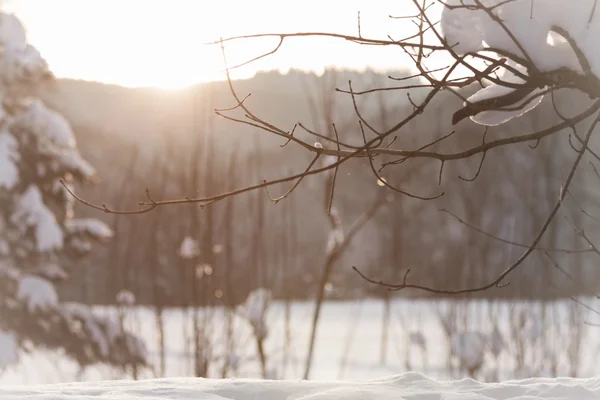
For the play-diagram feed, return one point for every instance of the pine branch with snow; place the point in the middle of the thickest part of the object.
(38, 152)
(255, 310)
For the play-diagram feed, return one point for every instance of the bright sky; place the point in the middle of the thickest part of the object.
(161, 42)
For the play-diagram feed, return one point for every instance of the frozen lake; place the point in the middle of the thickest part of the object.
(537, 339)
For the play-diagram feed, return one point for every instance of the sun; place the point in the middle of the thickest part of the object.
(161, 43)
(131, 43)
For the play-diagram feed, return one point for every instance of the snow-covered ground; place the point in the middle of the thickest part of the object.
(413, 386)
(528, 339)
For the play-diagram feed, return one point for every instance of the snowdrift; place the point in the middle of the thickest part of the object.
(413, 386)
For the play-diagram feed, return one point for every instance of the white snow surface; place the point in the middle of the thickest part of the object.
(496, 342)
(413, 386)
(347, 348)
(8, 349)
(469, 347)
(37, 293)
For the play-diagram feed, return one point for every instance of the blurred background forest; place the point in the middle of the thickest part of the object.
(173, 144)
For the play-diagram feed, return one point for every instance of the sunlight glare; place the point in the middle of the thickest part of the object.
(162, 43)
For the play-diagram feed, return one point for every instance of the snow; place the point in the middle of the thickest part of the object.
(12, 32)
(52, 271)
(417, 339)
(105, 334)
(256, 304)
(489, 93)
(8, 349)
(347, 347)
(37, 293)
(39, 119)
(90, 226)
(90, 324)
(80, 245)
(32, 62)
(496, 342)
(470, 29)
(470, 348)
(454, 23)
(335, 239)
(189, 248)
(233, 360)
(19, 61)
(31, 210)
(71, 159)
(533, 26)
(413, 386)
(125, 297)
(535, 329)
(9, 173)
(498, 115)
(255, 310)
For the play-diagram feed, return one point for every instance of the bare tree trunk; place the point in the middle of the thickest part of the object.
(385, 326)
(291, 262)
(332, 257)
(228, 250)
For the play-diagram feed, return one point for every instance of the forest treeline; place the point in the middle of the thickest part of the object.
(174, 145)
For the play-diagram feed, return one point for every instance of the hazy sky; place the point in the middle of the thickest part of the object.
(160, 42)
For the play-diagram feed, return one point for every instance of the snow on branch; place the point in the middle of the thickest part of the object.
(20, 61)
(189, 248)
(255, 310)
(37, 293)
(89, 226)
(31, 211)
(9, 172)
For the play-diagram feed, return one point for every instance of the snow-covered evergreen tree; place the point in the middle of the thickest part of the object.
(38, 229)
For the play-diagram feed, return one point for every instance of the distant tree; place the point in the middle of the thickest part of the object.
(39, 235)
